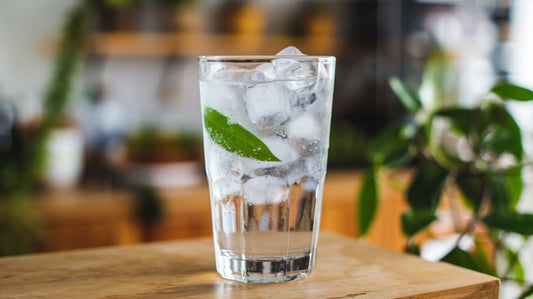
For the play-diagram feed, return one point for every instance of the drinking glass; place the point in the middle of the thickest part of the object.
(266, 123)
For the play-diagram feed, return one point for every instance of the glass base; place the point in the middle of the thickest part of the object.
(264, 269)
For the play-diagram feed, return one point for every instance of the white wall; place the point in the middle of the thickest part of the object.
(27, 31)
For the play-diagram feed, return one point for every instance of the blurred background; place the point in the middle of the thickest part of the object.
(100, 128)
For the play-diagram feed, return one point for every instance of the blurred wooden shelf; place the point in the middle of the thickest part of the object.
(194, 44)
(79, 218)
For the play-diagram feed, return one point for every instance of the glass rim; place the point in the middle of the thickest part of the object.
(262, 58)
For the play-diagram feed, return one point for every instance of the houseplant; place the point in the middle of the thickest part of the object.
(22, 164)
(474, 155)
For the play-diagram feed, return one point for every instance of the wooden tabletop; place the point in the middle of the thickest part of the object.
(345, 269)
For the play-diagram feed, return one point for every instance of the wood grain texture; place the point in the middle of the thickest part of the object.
(186, 269)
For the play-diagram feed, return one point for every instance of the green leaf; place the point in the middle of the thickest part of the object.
(368, 201)
(465, 259)
(445, 155)
(514, 261)
(501, 140)
(393, 147)
(511, 222)
(234, 138)
(432, 88)
(483, 262)
(413, 248)
(426, 187)
(471, 187)
(499, 195)
(528, 292)
(514, 184)
(500, 132)
(405, 95)
(414, 221)
(459, 117)
(512, 92)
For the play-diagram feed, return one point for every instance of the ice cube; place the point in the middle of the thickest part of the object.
(284, 150)
(300, 75)
(266, 190)
(309, 183)
(281, 148)
(267, 104)
(267, 69)
(225, 187)
(285, 63)
(221, 163)
(226, 99)
(305, 100)
(276, 171)
(290, 51)
(262, 73)
(303, 126)
(254, 76)
(294, 69)
(298, 169)
(234, 75)
(316, 165)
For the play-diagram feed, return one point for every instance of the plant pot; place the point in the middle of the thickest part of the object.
(64, 157)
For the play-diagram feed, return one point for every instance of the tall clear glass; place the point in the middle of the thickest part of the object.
(266, 137)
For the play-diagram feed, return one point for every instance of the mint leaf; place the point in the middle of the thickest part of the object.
(234, 138)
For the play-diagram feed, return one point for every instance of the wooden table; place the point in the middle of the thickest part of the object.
(345, 269)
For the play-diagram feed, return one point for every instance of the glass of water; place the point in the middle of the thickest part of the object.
(266, 123)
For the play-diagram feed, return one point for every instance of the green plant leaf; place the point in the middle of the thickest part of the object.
(514, 184)
(431, 91)
(437, 140)
(413, 248)
(234, 138)
(368, 201)
(471, 187)
(483, 262)
(501, 140)
(414, 221)
(465, 259)
(500, 132)
(511, 222)
(405, 95)
(514, 261)
(499, 194)
(527, 293)
(393, 147)
(512, 92)
(426, 187)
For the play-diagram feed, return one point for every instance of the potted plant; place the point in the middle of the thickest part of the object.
(474, 156)
(23, 163)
